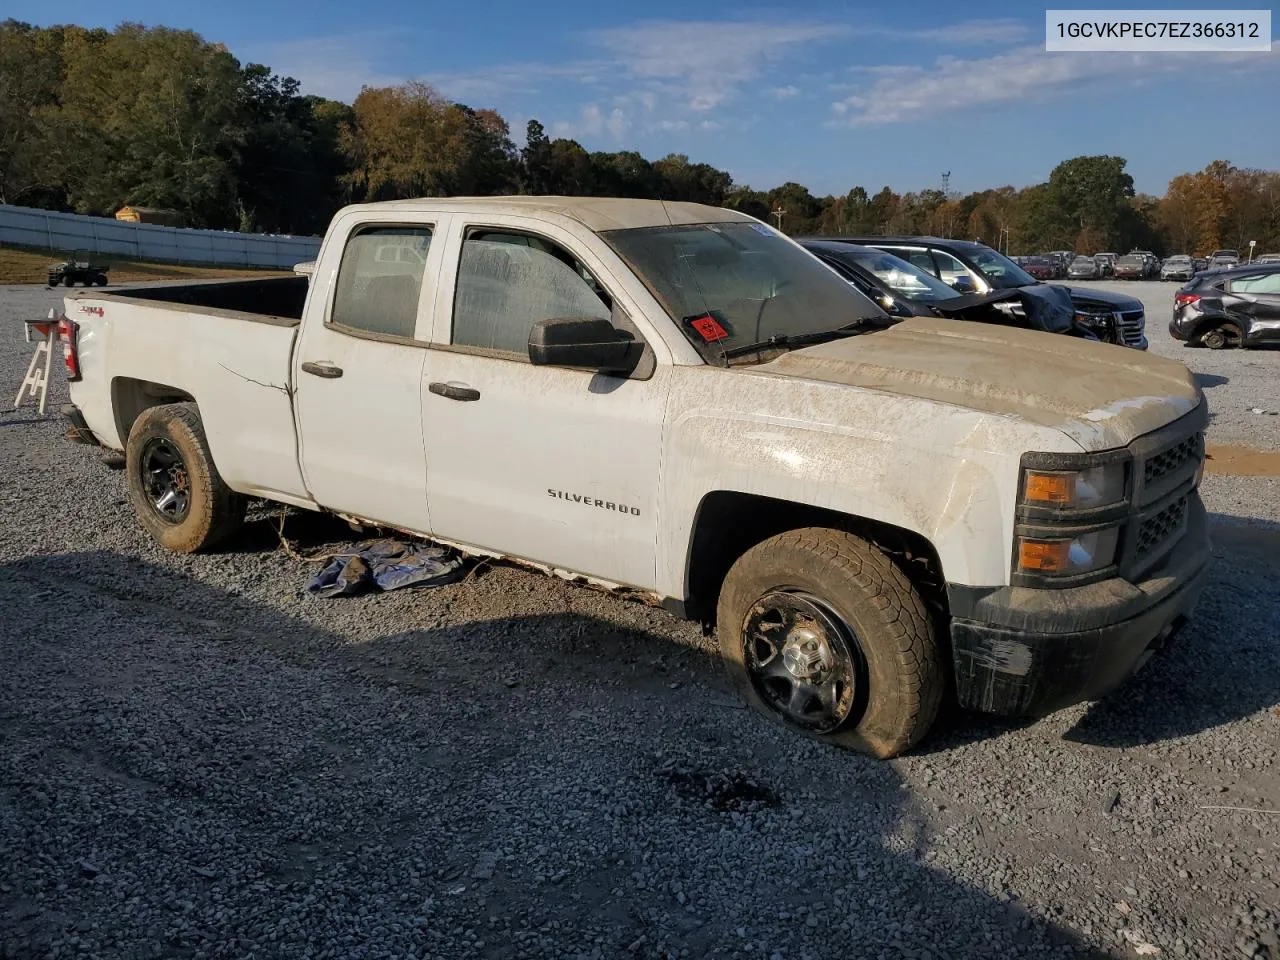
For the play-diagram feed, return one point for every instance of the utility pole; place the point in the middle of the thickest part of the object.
(946, 184)
(778, 213)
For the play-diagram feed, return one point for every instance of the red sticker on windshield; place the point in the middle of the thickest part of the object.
(708, 328)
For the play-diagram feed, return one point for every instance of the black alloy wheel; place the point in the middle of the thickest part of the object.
(164, 478)
(803, 660)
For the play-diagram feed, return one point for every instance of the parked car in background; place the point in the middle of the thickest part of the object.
(1268, 258)
(1223, 259)
(903, 290)
(1239, 307)
(1150, 263)
(1083, 268)
(1106, 261)
(1132, 266)
(1042, 268)
(1179, 267)
(1202, 263)
(1112, 317)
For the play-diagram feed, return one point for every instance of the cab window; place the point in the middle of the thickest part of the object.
(380, 279)
(507, 282)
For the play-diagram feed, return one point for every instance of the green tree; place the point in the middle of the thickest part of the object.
(1092, 194)
(535, 160)
(30, 68)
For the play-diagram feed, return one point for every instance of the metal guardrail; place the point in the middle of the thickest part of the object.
(50, 230)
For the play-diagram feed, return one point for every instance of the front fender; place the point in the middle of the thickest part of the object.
(944, 472)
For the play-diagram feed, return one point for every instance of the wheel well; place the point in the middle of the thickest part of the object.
(728, 524)
(1217, 320)
(130, 397)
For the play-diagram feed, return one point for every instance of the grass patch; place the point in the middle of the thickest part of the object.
(32, 266)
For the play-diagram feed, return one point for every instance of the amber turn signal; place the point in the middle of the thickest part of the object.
(1057, 489)
(1043, 556)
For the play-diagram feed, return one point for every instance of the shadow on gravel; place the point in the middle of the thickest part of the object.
(1224, 666)
(327, 769)
(1207, 380)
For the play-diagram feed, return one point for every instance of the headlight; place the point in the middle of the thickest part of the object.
(1099, 486)
(1067, 557)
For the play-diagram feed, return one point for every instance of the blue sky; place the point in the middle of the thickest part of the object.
(827, 94)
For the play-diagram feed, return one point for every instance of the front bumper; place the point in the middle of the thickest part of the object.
(1021, 651)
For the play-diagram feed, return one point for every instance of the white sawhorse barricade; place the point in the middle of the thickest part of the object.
(36, 382)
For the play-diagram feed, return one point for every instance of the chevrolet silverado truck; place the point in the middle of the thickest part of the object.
(681, 401)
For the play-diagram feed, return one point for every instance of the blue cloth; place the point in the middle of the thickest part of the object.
(385, 565)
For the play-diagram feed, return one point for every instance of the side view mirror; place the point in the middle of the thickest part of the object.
(963, 285)
(584, 343)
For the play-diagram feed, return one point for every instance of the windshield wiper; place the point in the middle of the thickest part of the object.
(789, 340)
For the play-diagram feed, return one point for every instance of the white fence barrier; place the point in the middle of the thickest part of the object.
(28, 227)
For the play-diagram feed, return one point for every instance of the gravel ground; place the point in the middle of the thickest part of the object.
(196, 760)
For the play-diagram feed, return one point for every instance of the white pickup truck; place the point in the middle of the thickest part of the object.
(679, 400)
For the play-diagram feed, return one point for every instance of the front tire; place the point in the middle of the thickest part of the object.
(176, 491)
(823, 634)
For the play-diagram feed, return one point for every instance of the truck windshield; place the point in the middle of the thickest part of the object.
(736, 283)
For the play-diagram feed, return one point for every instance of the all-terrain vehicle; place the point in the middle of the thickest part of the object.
(79, 269)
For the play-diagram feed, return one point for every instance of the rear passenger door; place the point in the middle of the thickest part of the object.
(358, 374)
(549, 464)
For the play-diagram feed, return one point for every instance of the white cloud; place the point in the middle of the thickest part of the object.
(484, 87)
(967, 33)
(1026, 74)
(593, 121)
(784, 93)
(707, 61)
(334, 67)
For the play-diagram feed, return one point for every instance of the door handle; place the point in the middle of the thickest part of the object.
(454, 391)
(326, 370)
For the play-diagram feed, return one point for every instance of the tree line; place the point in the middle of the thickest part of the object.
(92, 120)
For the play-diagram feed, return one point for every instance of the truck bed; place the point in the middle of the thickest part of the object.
(274, 299)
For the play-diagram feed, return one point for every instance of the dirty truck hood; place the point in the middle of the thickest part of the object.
(1100, 395)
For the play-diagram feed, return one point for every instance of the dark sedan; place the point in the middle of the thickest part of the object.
(1229, 308)
(1083, 268)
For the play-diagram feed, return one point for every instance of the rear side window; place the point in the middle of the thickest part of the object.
(380, 279)
(508, 282)
(1267, 283)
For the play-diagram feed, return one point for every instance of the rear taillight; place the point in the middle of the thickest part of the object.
(1185, 299)
(68, 331)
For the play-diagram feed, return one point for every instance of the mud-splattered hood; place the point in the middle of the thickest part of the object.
(1100, 395)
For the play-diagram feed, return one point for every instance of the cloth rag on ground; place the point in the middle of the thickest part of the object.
(385, 565)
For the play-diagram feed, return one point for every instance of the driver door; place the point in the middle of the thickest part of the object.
(554, 465)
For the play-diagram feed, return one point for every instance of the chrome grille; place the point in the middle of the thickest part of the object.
(1131, 324)
(1157, 530)
(1170, 460)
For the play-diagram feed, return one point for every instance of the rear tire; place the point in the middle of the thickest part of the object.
(1222, 336)
(176, 491)
(795, 607)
